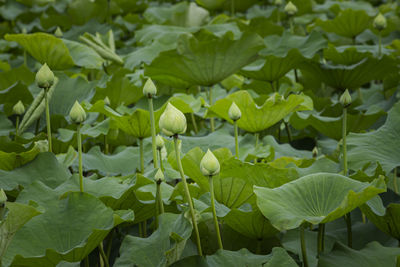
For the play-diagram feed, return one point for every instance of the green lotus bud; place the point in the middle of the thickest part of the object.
(290, 9)
(209, 164)
(77, 113)
(44, 77)
(380, 22)
(58, 33)
(42, 145)
(3, 197)
(278, 2)
(345, 98)
(19, 109)
(234, 112)
(159, 142)
(159, 177)
(172, 121)
(315, 152)
(107, 101)
(149, 88)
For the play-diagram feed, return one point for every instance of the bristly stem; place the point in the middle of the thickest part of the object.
(196, 130)
(236, 139)
(46, 97)
(212, 122)
(160, 201)
(288, 132)
(153, 131)
(16, 127)
(141, 155)
(303, 246)
(161, 162)
(187, 193)
(79, 137)
(344, 143)
(215, 213)
(321, 237)
(103, 255)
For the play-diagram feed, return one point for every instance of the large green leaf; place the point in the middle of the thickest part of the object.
(315, 198)
(67, 231)
(6, 125)
(12, 160)
(44, 167)
(204, 59)
(380, 145)
(374, 254)
(349, 23)
(162, 248)
(257, 118)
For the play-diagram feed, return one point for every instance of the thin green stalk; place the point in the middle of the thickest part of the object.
(344, 144)
(196, 130)
(236, 139)
(87, 261)
(109, 244)
(105, 139)
(257, 135)
(291, 25)
(379, 44)
(347, 218)
(140, 230)
(144, 228)
(288, 132)
(153, 132)
(233, 8)
(141, 155)
(396, 189)
(303, 246)
(46, 97)
(78, 135)
(16, 127)
(215, 213)
(103, 255)
(160, 201)
(212, 123)
(321, 237)
(187, 193)
(161, 162)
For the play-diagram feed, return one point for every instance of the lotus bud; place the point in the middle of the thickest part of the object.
(278, 2)
(315, 152)
(77, 113)
(234, 112)
(42, 145)
(345, 99)
(107, 101)
(19, 109)
(159, 142)
(58, 33)
(209, 164)
(172, 121)
(149, 88)
(159, 177)
(290, 9)
(3, 197)
(44, 77)
(380, 22)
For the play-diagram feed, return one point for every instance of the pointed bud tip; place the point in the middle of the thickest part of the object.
(234, 112)
(3, 196)
(19, 108)
(159, 176)
(290, 9)
(345, 98)
(149, 88)
(44, 77)
(380, 22)
(159, 142)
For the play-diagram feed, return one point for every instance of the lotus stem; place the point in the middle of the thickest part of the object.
(105, 139)
(140, 230)
(379, 44)
(396, 189)
(109, 244)
(196, 130)
(212, 123)
(144, 228)
(344, 144)
(103, 255)
(16, 127)
(233, 8)
(236, 139)
(215, 213)
(187, 193)
(87, 261)
(141, 155)
(291, 25)
(161, 162)
(321, 238)
(303, 246)
(159, 202)
(153, 132)
(257, 135)
(79, 137)
(347, 218)
(288, 132)
(46, 97)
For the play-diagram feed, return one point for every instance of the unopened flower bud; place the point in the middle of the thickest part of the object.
(58, 33)
(19, 109)
(149, 88)
(380, 22)
(107, 101)
(345, 99)
(209, 164)
(77, 113)
(159, 142)
(278, 2)
(3, 197)
(172, 121)
(159, 177)
(44, 77)
(234, 112)
(315, 152)
(290, 9)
